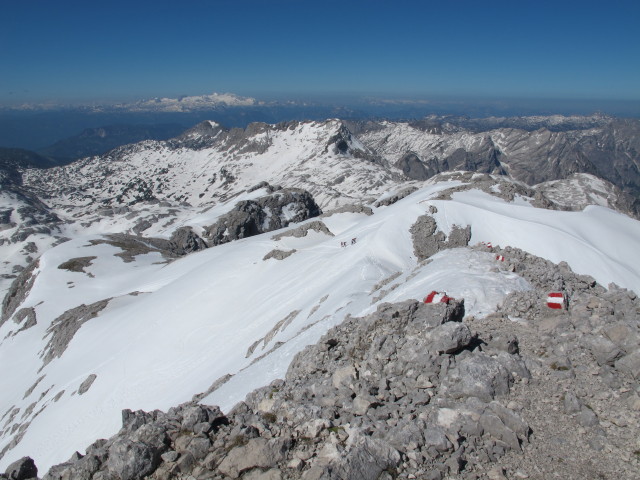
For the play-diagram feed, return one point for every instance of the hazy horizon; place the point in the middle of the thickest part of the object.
(36, 129)
(77, 52)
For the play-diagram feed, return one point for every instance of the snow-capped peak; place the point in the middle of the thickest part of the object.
(188, 103)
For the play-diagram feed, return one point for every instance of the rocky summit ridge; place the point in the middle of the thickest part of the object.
(417, 390)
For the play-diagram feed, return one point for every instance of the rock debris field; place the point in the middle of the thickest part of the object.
(418, 391)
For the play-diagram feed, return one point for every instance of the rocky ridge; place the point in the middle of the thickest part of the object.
(420, 391)
(531, 150)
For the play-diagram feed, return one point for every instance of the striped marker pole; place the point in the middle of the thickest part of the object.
(500, 258)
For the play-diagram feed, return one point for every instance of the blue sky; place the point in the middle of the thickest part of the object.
(76, 51)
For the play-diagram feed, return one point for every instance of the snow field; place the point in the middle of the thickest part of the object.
(198, 316)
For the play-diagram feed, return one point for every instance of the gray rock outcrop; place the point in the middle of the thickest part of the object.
(25, 317)
(18, 291)
(427, 241)
(23, 469)
(279, 254)
(303, 230)
(184, 241)
(271, 212)
(64, 327)
(86, 384)
(341, 412)
(405, 192)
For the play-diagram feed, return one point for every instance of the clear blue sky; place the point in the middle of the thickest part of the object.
(115, 50)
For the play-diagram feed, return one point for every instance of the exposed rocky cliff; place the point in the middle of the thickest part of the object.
(531, 150)
(264, 214)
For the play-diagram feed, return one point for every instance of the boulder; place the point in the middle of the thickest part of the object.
(265, 214)
(604, 350)
(406, 436)
(427, 240)
(477, 375)
(434, 437)
(132, 460)
(257, 453)
(77, 468)
(22, 469)
(364, 458)
(184, 240)
(492, 425)
(571, 403)
(450, 337)
(86, 384)
(630, 364)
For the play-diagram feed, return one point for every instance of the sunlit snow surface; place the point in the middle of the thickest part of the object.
(193, 320)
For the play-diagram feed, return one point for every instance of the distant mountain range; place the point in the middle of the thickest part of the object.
(39, 126)
(529, 149)
(188, 103)
(164, 104)
(132, 185)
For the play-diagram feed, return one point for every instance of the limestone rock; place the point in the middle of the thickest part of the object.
(257, 453)
(630, 364)
(22, 469)
(478, 375)
(131, 460)
(605, 351)
(86, 384)
(184, 241)
(450, 337)
(18, 291)
(64, 327)
(252, 217)
(427, 241)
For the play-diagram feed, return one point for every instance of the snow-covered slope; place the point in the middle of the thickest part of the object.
(153, 187)
(150, 333)
(208, 164)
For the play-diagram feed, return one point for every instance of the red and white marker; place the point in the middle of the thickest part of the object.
(500, 258)
(437, 297)
(556, 300)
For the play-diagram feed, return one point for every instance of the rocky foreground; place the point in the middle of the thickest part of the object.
(418, 391)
